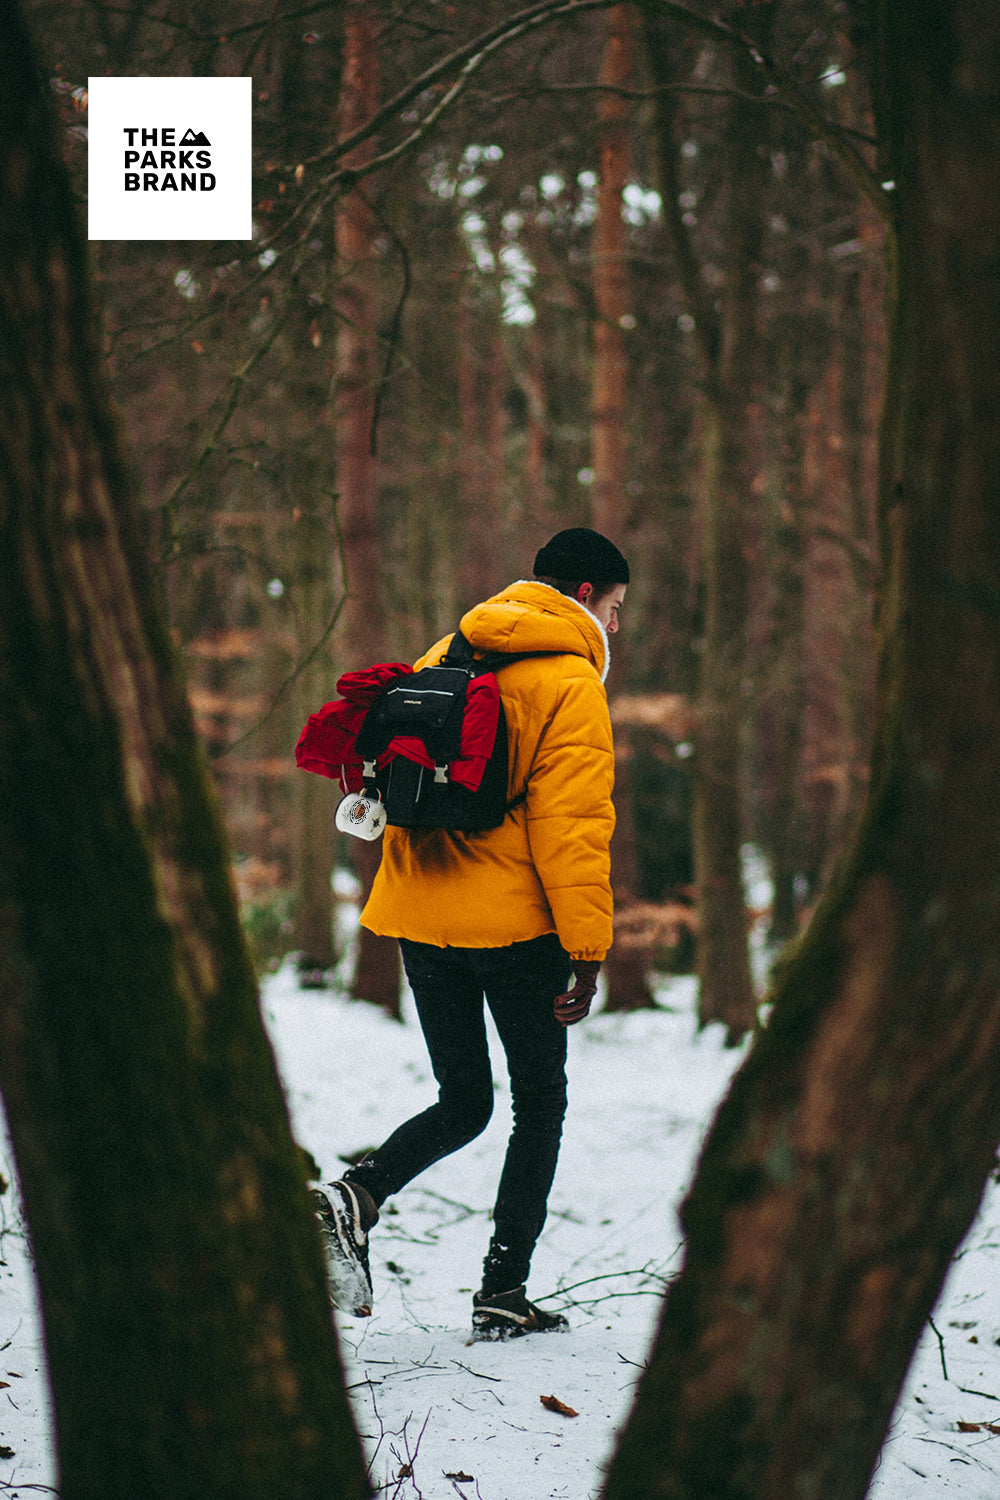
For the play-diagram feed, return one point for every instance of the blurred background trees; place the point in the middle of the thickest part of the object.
(612, 274)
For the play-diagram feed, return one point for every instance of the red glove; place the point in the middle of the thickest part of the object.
(575, 1004)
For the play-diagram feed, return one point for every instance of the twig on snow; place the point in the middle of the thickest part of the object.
(937, 1335)
(463, 1208)
(406, 1468)
(650, 1275)
(477, 1374)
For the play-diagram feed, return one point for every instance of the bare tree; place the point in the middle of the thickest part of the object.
(187, 1327)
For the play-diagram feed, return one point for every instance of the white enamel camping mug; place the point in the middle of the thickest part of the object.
(361, 815)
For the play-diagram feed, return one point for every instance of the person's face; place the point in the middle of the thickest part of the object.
(607, 606)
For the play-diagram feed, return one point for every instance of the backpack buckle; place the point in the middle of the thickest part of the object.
(441, 775)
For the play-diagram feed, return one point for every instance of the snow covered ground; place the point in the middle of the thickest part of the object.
(442, 1416)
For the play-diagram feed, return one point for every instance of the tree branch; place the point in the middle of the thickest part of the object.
(823, 129)
(483, 46)
(301, 664)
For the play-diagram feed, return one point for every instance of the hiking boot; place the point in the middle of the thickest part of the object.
(346, 1213)
(509, 1315)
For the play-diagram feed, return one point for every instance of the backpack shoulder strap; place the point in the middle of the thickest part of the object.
(461, 654)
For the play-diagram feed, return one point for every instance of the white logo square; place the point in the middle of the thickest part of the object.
(169, 158)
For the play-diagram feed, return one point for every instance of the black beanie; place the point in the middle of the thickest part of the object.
(581, 555)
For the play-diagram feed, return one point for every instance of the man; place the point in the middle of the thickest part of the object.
(510, 915)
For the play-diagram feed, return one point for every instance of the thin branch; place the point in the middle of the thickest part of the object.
(265, 32)
(231, 32)
(299, 666)
(486, 43)
(574, 1286)
(641, 96)
(236, 383)
(937, 1335)
(831, 135)
(256, 253)
(478, 1374)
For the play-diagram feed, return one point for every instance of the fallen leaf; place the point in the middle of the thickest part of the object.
(970, 1427)
(6, 1452)
(552, 1403)
(461, 1478)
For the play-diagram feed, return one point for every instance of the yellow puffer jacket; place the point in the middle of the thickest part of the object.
(546, 868)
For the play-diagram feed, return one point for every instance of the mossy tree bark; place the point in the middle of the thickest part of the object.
(849, 1158)
(189, 1340)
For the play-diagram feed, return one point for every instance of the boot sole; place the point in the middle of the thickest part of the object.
(350, 1282)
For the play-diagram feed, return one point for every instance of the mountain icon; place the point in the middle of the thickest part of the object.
(190, 139)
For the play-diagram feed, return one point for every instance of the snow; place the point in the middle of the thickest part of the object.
(467, 1418)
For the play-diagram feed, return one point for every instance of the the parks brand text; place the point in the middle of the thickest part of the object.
(163, 159)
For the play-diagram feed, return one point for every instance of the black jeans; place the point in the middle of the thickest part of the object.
(519, 983)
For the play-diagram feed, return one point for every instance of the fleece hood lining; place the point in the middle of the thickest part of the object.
(537, 582)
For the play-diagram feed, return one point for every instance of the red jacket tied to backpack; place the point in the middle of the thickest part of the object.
(327, 743)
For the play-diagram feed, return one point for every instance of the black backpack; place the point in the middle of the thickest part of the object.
(429, 705)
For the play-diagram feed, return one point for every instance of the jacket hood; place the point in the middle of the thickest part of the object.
(532, 616)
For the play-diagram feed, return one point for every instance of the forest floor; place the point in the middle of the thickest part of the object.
(443, 1416)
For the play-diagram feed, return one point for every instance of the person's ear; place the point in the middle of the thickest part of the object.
(584, 594)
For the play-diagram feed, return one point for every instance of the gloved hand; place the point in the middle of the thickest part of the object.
(575, 1004)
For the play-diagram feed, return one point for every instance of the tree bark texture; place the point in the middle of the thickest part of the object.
(188, 1335)
(376, 976)
(849, 1159)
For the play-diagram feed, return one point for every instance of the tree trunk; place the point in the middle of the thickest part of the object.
(625, 968)
(315, 798)
(726, 990)
(849, 1158)
(610, 281)
(784, 690)
(188, 1334)
(728, 346)
(376, 976)
(725, 987)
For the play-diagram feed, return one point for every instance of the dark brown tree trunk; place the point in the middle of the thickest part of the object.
(625, 967)
(188, 1334)
(376, 976)
(849, 1158)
